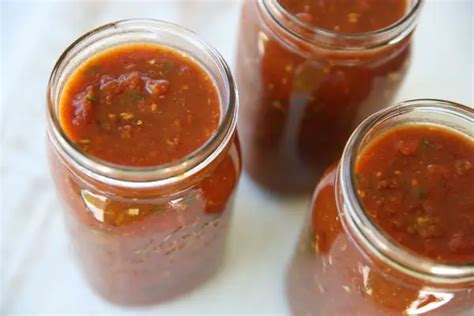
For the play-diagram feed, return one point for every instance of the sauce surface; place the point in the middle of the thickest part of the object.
(350, 16)
(417, 183)
(139, 105)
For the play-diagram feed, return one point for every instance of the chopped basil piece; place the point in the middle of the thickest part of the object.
(420, 192)
(135, 96)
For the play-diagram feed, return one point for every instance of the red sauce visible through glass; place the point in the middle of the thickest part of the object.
(300, 101)
(143, 104)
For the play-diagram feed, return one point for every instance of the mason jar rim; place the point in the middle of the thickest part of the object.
(342, 41)
(365, 230)
(150, 176)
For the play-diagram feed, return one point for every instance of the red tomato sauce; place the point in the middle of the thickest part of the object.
(349, 16)
(139, 105)
(300, 101)
(417, 184)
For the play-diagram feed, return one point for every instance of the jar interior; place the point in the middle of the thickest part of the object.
(456, 118)
(161, 33)
(112, 35)
(433, 115)
(303, 31)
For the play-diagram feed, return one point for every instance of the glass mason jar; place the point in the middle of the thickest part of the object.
(304, 89)
(344, 265)
(178, 239)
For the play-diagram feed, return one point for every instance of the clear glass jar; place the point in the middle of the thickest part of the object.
(304, 89)
(179, 241)
(345, 265)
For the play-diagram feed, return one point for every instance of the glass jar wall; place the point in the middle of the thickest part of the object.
(346, 264)
(305, 88)
(146, 234)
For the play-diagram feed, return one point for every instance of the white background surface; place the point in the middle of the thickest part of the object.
(37, 272)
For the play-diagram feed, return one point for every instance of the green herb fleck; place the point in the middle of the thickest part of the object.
(135, 96)
(357, 178)
(159, 208)
(425, 144)
(91, 98)
(189, 201)
(420, 192)
(167, 67)
(92, 70)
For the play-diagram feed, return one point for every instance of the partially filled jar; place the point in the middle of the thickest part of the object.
(391, 226)
(308, 73)
(144, 153)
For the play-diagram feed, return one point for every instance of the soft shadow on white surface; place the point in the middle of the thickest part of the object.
(37, 269)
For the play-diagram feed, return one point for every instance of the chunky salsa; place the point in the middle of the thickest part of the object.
(139, 105)
(417, 184)
(348, 16)
(142, 105)
(301, 100)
